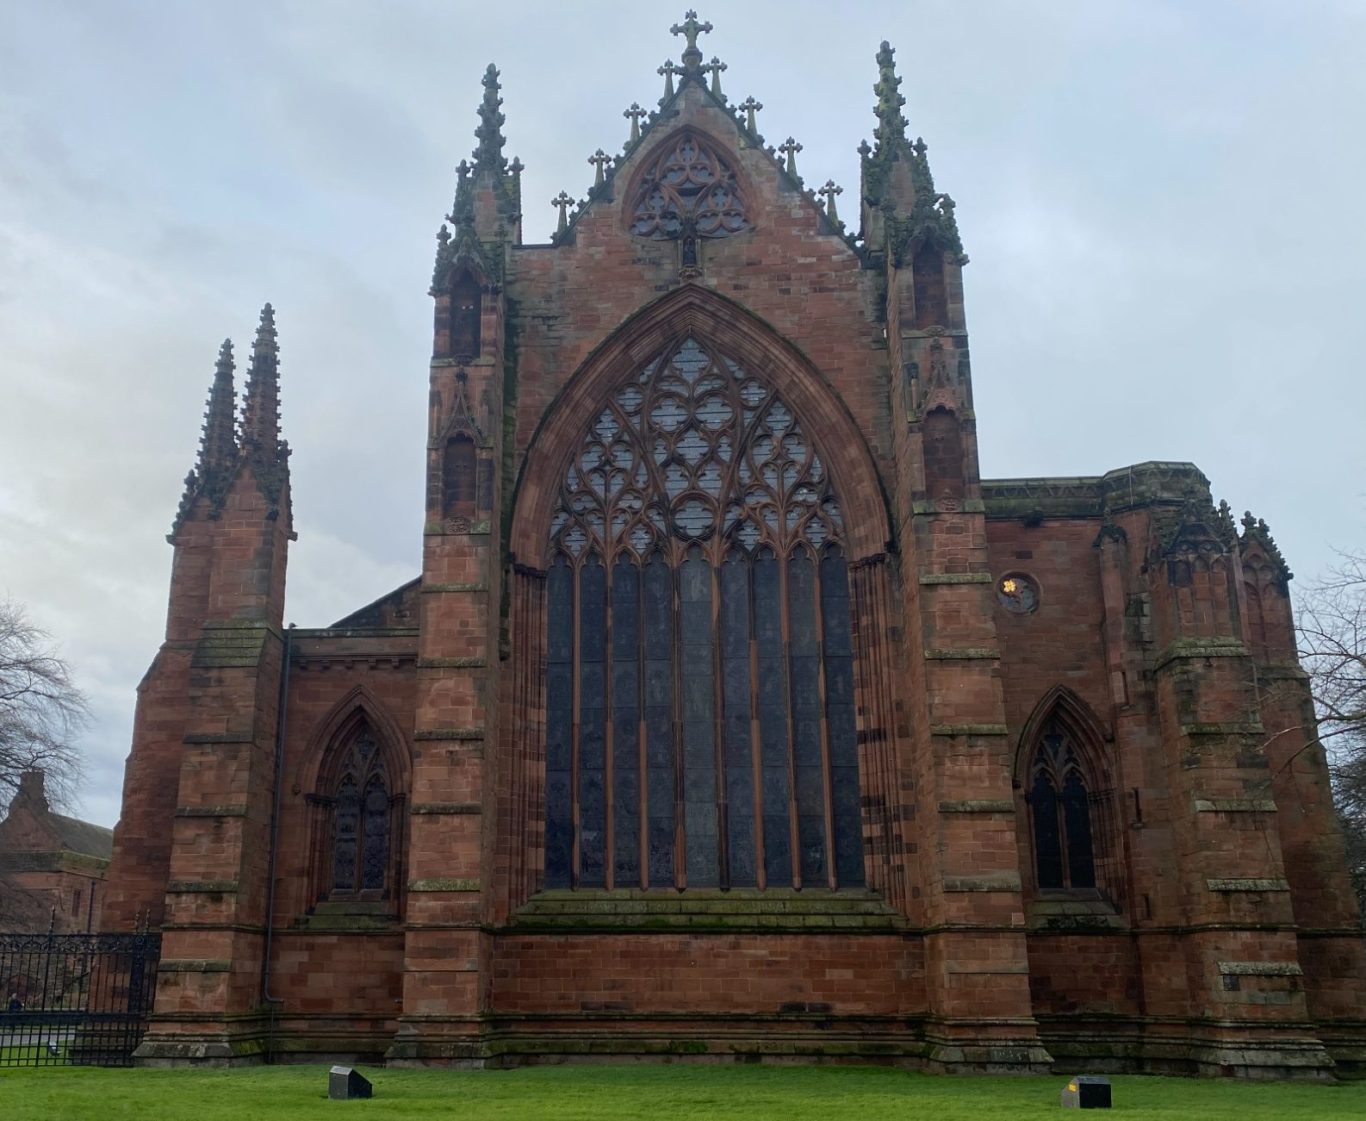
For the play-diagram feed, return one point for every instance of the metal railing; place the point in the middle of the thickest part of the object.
(75, 999)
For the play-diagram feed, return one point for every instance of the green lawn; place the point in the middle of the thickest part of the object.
(657, 1093)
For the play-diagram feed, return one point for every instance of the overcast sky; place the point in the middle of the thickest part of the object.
(1162, 202)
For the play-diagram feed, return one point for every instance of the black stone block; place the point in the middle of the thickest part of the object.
(345, 1084)
(1086, 1091)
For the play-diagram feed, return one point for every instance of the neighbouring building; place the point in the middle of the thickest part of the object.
(52, 867)
(732, 714)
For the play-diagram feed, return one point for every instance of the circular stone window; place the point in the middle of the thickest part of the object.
(1018, 593)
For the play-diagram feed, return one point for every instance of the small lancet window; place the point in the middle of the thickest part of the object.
(688, 186)
(931, 301)
(465, 316)
(458, 476)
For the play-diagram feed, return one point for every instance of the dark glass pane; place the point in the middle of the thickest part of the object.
(775, 744)
(742, 864)
(1076, 816)
(699, 722)
(375, 858)
(1043, 804)
(626, 786)
(592, 724)
(658, 631)
(559, 723)
(804, 660)
(841, 727)
(345, 837)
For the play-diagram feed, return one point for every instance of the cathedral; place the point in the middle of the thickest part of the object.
(733, 716)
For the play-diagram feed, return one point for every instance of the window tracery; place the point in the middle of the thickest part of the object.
(360, 821)
(700, 719)
(1069, 816)
(688, 185)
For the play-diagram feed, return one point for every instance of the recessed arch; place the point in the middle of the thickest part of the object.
(1064, 705)
(357, 704)
(695, 311)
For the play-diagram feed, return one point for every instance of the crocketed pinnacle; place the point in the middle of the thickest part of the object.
(261, 402)
(891, 122)
(218, 442)
(489, 154)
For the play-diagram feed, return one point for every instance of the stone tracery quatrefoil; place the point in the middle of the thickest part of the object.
(688, 183)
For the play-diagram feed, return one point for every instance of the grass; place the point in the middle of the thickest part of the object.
(656, 1093)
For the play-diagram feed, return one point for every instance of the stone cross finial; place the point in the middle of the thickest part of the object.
(669, 69)
(714, 68)
(599, 160)
(750, 106)
(790, 148)
(564, 202)
(692, 57)
(829, 191)
(637, 114)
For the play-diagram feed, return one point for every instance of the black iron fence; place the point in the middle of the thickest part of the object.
(75, 998)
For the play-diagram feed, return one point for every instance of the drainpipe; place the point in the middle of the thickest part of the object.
(283, 706)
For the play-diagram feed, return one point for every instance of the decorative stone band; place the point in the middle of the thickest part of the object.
(201, 887)
(966, 652)
(1261, 969)
(230, 644)
(448, 808)
(977, 806)
(1235, 805)
(1190, 648)
(969, 730)
(443, 885)
(1247, 885)
(992, 881)
(429, 589)
(969, 505)
(1228, 728)
(219, 737)
(193, 965)
(211, 811)
(452, 663)
(956, 578)
(442, 529)
(449, 734)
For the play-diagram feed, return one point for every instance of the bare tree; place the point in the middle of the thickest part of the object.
(41, 710)
(1332, 632)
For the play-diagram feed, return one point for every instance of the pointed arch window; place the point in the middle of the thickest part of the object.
(699, 704)
(688, 185)
(359, 840)
(1070, 815)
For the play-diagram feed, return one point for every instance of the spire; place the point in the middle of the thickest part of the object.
(488, 156)
(261, 403)
(218, 442)
(891, 122)
(216, 466)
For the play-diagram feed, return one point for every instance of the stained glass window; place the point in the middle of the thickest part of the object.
(688, 183)
(700, 717)
(360, 821)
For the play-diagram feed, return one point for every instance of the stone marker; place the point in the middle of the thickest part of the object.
(1086, 1091)
(345, 1083)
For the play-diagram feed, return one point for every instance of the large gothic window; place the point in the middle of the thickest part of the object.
(699, 703)
(688, 186)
